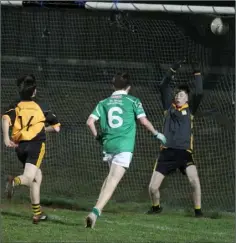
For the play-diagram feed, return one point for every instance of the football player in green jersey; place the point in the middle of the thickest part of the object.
(117, 115)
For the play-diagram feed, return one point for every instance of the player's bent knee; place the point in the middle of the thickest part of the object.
(192, 174)
(30, 172)
(194, 181)
(115, 175)
(29, 178)
(38, 177)
(156, 181)
(157, 178)
(195, 184)
(153, 189)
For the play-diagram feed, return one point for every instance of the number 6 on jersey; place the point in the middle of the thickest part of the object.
(115, 121)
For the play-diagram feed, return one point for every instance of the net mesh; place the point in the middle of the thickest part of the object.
(74, 56)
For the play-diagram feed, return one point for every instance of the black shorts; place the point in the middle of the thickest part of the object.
(31, 152)
(172, 159)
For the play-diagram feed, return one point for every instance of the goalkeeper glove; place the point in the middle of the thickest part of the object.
(175, 66)
(161, 137)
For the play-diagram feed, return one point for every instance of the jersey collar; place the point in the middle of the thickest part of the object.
(180, 108)
(119, 92)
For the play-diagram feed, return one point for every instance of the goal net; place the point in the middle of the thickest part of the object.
(74, 54)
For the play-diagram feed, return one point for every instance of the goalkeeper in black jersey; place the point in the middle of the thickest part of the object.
(178, 125)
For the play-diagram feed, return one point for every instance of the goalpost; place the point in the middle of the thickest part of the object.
(74, 53)
(116, 5)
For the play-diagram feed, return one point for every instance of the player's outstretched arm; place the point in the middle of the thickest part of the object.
(165, 89)
(198, 92)
(148, 125)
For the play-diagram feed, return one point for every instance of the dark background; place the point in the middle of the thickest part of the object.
(75, 53)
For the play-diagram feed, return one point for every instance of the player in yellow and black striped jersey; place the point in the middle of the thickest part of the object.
(28, 118)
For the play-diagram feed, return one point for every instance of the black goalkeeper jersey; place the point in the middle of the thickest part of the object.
(178, 121)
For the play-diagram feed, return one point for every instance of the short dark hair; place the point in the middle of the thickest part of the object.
(182, 87)
(121, 81)
(26, 85)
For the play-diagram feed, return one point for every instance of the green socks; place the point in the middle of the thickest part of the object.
(96, 211)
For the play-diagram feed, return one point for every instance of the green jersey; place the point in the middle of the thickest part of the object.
(117, 115)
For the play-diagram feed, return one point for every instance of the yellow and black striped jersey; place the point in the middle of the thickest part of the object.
(28, 119)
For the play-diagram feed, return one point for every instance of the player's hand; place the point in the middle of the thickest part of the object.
(161, 137)
(9, 143)
(196, 66)
(175, 66)
(99, 138)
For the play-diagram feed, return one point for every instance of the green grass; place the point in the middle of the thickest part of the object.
(68, 226)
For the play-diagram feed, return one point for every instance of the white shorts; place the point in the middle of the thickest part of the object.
(123, 159)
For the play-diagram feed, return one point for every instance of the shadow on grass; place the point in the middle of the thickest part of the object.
(51, 218)
(206, 215)
(114, 207)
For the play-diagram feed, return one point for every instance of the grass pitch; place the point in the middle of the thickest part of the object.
(68, 226)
